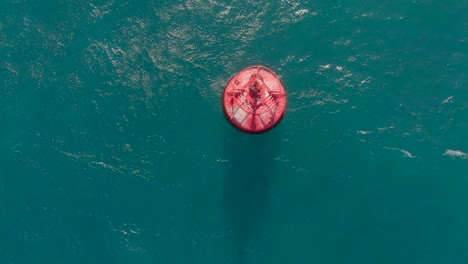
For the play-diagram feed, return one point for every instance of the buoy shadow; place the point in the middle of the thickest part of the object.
(247, 185)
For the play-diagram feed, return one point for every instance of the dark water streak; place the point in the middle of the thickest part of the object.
(247, 186)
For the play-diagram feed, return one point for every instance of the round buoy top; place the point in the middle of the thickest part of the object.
(254, 100)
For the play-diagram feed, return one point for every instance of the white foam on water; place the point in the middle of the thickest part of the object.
(406, 153)
(455, 154)
(448, 100)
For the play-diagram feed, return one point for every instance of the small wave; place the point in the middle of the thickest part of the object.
(75, 156)
(448, 100)
(405, 152)
(364, 132)
(455, 154)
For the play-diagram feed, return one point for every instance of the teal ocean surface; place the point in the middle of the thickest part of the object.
(114, 147)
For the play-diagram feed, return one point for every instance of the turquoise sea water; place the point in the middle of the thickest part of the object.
(114, 148)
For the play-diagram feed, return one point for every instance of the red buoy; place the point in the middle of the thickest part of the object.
(254, 100)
